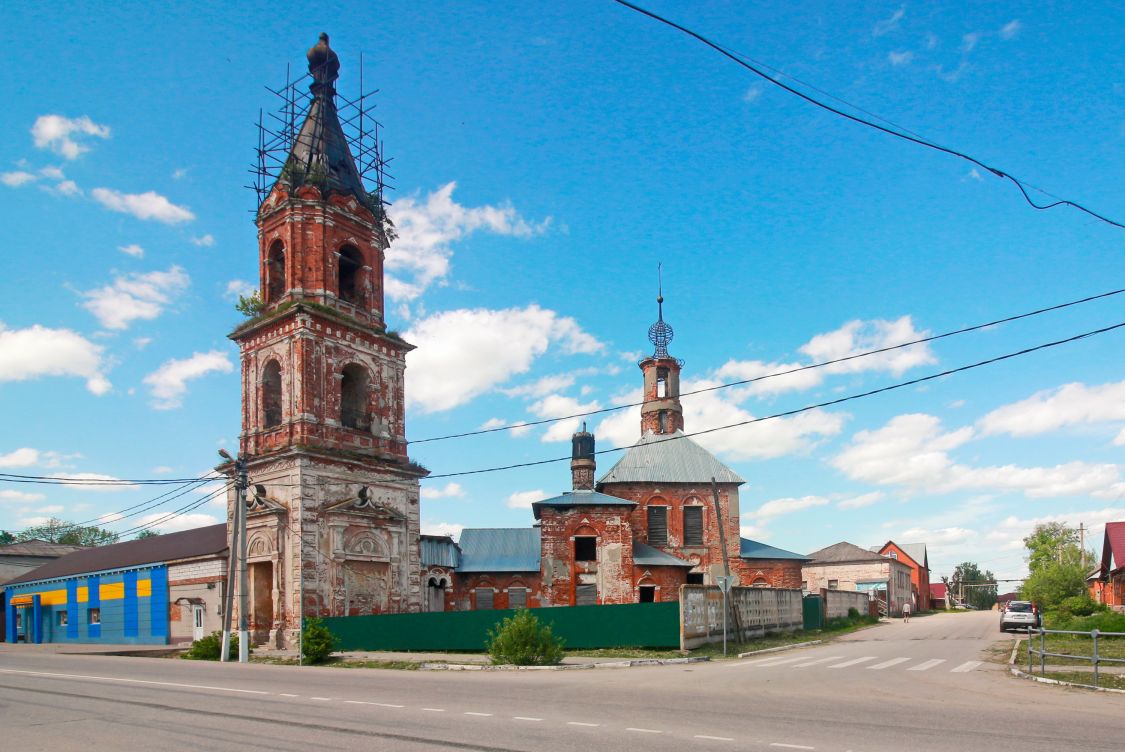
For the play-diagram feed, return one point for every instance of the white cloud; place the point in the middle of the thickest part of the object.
(16, 179)
(57, 133)
(752, 94)
(168, 383)
(161, 523)
(484, 348)
(162, 470)
(142, 342)
(493, 423)
(135, 296)
(779, 507)
(524, 499)
(857, 336)
(204, 241)
(452, 529)
(556, 406)
(148, 205)
(1008, 534)
(51, 509)
(1010, 29)
(969, 41)
(887, 25)
(92, 482)
(754, 532)
(39, 351)
(54, 173)
(22, 457)
(427, 230)
(932, 41)
(912, 451)
(542, 387)
(1120, 439)
(68, 188)
(744, 370)
(179, 173)
(1052, 409)
(132, 250)
(937, 536)
(900, 58)
(239, 287)
(858, 502)
(22, 496)
(952, 76)
(449, 490)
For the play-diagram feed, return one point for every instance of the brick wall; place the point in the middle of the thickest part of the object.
(612, 571)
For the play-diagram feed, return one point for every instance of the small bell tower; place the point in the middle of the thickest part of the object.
(661, 412)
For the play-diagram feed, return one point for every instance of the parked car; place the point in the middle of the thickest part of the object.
(1019, 615)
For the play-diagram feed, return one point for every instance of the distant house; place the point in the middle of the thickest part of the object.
(20, 558)
(913, 555)
(845, 566)
(158, 590)
(1107, 582)
(939, 595)
(1004, 599)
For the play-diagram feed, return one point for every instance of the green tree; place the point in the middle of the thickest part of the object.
(521, 640)
(1051, 543)
(146, 533)
(6, 538)
(976, 587)
(317, 641)
(60, 531)
(250, 305)
(1052, 583)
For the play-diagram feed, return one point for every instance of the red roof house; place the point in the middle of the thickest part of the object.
(1107, 582)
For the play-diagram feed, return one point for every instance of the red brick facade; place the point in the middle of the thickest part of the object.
(919, 574)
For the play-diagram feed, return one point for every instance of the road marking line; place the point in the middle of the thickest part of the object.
(853, 661)
(481, 715)
(386, 705)
(525, 718)
(965, 667)
(927, 665)
(134, 681)
(355, 702)
(790, 746)
(435, 710)
(285, 695)
(888, 664)
(769, 661)
(644, 731)
(818, 660)
(321, 699)
(714, 738)
(580, 723)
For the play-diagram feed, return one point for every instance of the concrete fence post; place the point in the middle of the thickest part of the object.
(1094, 634)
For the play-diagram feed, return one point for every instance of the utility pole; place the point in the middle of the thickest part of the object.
(236, 559)
(232, 562)
(1082, 544)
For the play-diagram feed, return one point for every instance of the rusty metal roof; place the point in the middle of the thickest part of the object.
(647, 556)
(504, 549)
(37, 547)
(669, 458)
(157, 549)
(581, 498)
(845, 552)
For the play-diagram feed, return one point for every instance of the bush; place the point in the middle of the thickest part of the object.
(853, 613)
(317, 641)
(521, 640)
(1104, 621)
(210, 648)
(1080, 605)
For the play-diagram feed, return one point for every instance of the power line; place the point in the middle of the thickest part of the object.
(807, 408)
(62, 480)
(923, 340)
(175, 513)
(906, 136)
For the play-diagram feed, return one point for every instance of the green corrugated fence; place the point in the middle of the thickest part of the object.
(639, 625)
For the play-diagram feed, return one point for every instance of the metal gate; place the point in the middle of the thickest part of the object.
(813, 612)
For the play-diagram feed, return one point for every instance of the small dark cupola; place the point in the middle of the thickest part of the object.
(320, 154)
(661, 412)
(582, 462)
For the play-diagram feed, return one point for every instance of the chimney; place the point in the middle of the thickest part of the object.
(582, 463)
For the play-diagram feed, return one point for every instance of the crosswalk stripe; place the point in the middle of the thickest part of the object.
(888, 664)
(927, 664)
(853, 662)
(966, 666)
(819, 660)
(771, 661)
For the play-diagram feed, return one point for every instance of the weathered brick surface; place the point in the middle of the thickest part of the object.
(612, 572)
(919, 575)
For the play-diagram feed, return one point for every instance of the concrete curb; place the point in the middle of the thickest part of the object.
(1044, 680)
(780, 648)
(561, 667)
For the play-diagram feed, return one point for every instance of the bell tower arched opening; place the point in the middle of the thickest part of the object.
(348, 278)
(353, 398)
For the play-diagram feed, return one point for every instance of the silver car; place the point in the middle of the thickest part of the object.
(1019, 615)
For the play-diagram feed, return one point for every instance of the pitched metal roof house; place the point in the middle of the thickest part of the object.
(668, 458)
(845, 566)
(1107, 583)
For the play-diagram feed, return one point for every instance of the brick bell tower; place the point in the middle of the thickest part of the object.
(661, 412)
(333, 524)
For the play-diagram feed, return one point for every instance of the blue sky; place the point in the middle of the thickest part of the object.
(546, 158)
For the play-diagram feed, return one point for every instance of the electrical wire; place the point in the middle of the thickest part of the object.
(807, 408)
(890, 131)
(175, 513)
(62, 480)
(742, 382)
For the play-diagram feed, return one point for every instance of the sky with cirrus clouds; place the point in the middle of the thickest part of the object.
(540, 177)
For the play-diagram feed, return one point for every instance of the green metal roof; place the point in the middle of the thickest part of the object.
(503, 549)
(751, 549)
(647, 556)
(669, 458)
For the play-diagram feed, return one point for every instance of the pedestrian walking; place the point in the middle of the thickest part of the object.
(906, 612)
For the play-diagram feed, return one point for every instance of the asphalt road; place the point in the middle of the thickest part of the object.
(925, 685)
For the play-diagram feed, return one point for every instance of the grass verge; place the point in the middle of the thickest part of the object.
(1109, 681)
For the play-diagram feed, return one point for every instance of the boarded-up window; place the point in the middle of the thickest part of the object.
(484, 598)
(517, 597)
(586, 595)
(648, 594)
(833, 584)
(585, 548)
(695, 578)
(658, 526)
(693, 526)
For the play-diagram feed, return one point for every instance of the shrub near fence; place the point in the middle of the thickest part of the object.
(639, 625)
(756, 610)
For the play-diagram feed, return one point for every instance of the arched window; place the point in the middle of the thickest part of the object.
(275, 273)
(271, 394)
(353, 398)
(350, 264)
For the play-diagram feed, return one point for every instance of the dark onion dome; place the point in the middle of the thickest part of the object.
(324, 65)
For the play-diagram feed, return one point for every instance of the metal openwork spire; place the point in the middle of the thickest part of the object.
(660, 334)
